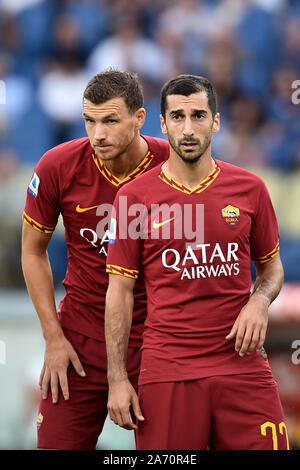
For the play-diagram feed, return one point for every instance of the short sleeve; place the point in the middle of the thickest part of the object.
(264, 236)
(42, 206)
(125, 236)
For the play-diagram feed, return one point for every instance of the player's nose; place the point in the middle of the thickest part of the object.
(100, 133)
(188, 130)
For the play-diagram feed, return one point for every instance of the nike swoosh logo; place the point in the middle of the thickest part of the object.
(84, 209)
(160, 224)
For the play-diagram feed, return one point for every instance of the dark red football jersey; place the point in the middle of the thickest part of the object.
(194, 247)
(70, 180)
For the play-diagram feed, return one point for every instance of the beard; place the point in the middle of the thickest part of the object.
(113, 152)
(194, 154)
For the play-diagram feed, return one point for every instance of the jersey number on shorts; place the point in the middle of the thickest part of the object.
(282, 428)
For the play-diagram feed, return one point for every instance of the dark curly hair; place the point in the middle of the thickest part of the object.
(186, 85)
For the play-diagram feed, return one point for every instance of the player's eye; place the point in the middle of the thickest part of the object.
(199, 116)
(111, 121)
(176, 117)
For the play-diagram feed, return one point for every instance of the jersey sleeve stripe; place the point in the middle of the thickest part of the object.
(269, 256)
(36, 225)
(113, 269)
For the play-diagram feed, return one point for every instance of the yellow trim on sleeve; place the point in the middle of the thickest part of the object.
(269, 256)
(36, 225)
(113, 269)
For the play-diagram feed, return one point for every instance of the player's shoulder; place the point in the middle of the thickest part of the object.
(158, 147)
(66, 151)
(239, 175)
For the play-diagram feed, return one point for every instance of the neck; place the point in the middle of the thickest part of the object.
(129, 160)
(189, 174)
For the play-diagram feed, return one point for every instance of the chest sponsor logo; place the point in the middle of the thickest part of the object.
(231, 215)
(98, 237)
(203, 261)
(92, 237)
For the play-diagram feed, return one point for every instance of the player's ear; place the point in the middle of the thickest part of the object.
(216, 123)
(163, 125)
(140, 116)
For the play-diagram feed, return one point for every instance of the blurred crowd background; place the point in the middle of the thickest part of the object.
(49, 49)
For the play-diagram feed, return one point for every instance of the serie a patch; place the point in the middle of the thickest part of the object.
(34, 185)
(112, 231)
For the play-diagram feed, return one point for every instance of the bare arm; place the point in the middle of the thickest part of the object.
(250, 327)
(118, 318)
(269, 279)
(38, 278)
(39, 281)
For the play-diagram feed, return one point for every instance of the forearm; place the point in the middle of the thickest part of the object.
(250, 326)
(269, 281)
(39, 282)
(118, 317)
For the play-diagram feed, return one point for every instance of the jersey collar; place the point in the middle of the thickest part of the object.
(186, 189)
(141, 168)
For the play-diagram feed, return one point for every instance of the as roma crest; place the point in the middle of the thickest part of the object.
(231, 215)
